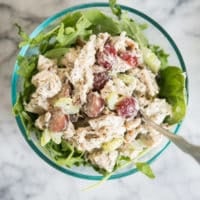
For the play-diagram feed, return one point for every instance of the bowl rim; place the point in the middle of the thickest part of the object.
(15, 77)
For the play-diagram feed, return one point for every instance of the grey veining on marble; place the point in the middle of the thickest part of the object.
(24, 176)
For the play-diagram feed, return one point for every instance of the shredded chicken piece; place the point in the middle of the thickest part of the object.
(103, 159)
(119, 42)
(42, 121)
(107, 120)
(156, 136)
(131, 150)
(132, 124)
(119, 87)
(157, 110)
(140, 87)
(101, 40)
(133, 133)
(47, 83)
(63, 74)
(120, 65)
(70, 57)
(122, 43)
(98, 68)
(82, 75)
(37, 104)
(143, 101)
(101, 130)
(70, 132)
(87, 139)
(146, 139)
(149, 80)
(46, 64)
(122, 88)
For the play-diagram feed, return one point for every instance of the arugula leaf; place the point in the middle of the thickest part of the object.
(145, 169)
(121, 162)
(40, 39)
(26, 66)
(65, 153)
(18, 107)
(70, 161)
(172, 87)
(24, 36)
(18, 110)
(161, 54)
(116, 9)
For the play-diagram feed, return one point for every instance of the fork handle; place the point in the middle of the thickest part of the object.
(179, 141)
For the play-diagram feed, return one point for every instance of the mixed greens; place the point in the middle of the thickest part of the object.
(75, 28)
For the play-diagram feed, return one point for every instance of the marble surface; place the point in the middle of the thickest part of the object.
(24, 176)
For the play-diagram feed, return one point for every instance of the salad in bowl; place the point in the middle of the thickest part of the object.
(81, 84)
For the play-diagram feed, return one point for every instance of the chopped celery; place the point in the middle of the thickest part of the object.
(45, 138)
(151, 59)
(112, 145)
(66, 104)
(111, 100)
(56, 137)
(127, 79)
(48, 135)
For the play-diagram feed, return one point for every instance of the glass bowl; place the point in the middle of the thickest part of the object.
(156, 35)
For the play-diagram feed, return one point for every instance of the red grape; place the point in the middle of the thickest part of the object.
(58, 121)
(106, 57)
(94, 105)
(100, 80)
(127, 107)
(130, 59)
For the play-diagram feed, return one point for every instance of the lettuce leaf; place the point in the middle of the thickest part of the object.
(69, 20)
(101, 22)
(56, 53)
(145, 169)
(68, 35)
(82, 24)
(172, 87)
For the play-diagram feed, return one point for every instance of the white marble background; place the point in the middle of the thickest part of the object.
(24, 176)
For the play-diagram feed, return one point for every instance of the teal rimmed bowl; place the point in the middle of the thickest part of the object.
(156, 35)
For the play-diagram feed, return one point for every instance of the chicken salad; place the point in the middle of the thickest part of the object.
(86, 95)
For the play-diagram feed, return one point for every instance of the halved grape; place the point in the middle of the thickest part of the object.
(100, 80)
(127, 107)
(94, 105)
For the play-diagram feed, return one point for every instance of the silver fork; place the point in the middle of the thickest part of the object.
(179, 141)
